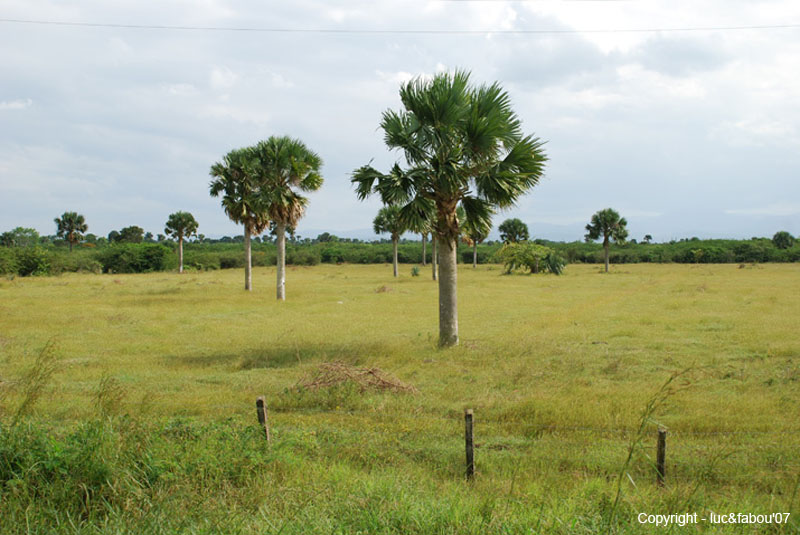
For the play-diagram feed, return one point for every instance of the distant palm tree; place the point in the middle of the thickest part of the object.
(462, 144)
(71, 226)
(181, 225)
(388, 221)
(422, 227)
(241, 199)
(513, 231)
(474, 234)
(283, 165)
(608, 225)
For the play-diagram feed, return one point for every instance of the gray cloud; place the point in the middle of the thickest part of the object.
(123, 125)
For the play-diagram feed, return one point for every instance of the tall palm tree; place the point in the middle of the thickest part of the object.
(241, 199)
(71, 226)
(608, 224)
(283, 166)
(462, 144)
(388, 220)
(181, 225)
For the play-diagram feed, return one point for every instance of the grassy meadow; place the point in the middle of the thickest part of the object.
(139, 401)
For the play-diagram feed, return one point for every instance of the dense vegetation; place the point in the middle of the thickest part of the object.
(54, 258)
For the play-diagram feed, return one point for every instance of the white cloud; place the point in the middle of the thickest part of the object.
(222, 78)
(779, 209)
(19, 104)
(180, 90)
(670, 122)
(395, 78)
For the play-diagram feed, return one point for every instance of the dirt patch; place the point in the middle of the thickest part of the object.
(383, 289)
(332, 374)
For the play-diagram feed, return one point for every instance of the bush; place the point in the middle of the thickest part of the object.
(332, 255)
(264, 258)
(530, 256)
(201, 260)
(231, 261)
(8, 261)
(76, 262)
(553, 263)
(134, 258)
(484, 256)
(303, 257)
(32, 261)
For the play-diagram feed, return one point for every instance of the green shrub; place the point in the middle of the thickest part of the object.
(32, 261)
(303, 257)
(202, 261)
(79, 261)
(553, 263)
(231, 261)
(531, 256)
(134, 258)
(484, 256)
(332, 255)
(8, 261)
(264, 258)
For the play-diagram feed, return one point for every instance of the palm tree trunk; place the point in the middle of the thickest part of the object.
(434, 255)
(474, 255)
(180, 255)
(281, 288)
(448, 298)
(424, 251)
(605, 250)
(394, 255)
(248, 261)
(70, 245)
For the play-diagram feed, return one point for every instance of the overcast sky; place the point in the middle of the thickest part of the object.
(686, 133)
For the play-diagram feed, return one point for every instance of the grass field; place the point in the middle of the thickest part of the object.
(147, 423)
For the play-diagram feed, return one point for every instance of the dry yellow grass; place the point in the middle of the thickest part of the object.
(558, 369)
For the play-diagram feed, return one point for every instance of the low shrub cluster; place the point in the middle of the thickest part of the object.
(690, 251)
(529, 256)
(51, 259)
(134, 258)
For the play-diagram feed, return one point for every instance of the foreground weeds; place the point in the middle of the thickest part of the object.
(119, 475)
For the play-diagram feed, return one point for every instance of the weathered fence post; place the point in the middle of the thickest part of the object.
(661, 454)
(261, 408)
(469, 444)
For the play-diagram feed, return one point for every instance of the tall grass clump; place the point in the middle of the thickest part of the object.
(33, 382)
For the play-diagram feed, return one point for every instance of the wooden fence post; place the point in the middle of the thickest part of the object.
(661, 455)
(469, 444)
(261, 408)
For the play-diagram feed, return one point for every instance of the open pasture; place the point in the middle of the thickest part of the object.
(559, 371)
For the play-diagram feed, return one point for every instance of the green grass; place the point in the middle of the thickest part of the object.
(148, 422)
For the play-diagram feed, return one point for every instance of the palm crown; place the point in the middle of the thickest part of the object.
(461, 144)
(71, 226)
(283, 164)
(181, 225)
(608, 225)
(388, 220)
(241, 198)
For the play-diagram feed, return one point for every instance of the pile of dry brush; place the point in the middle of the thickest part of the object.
(332, 374)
